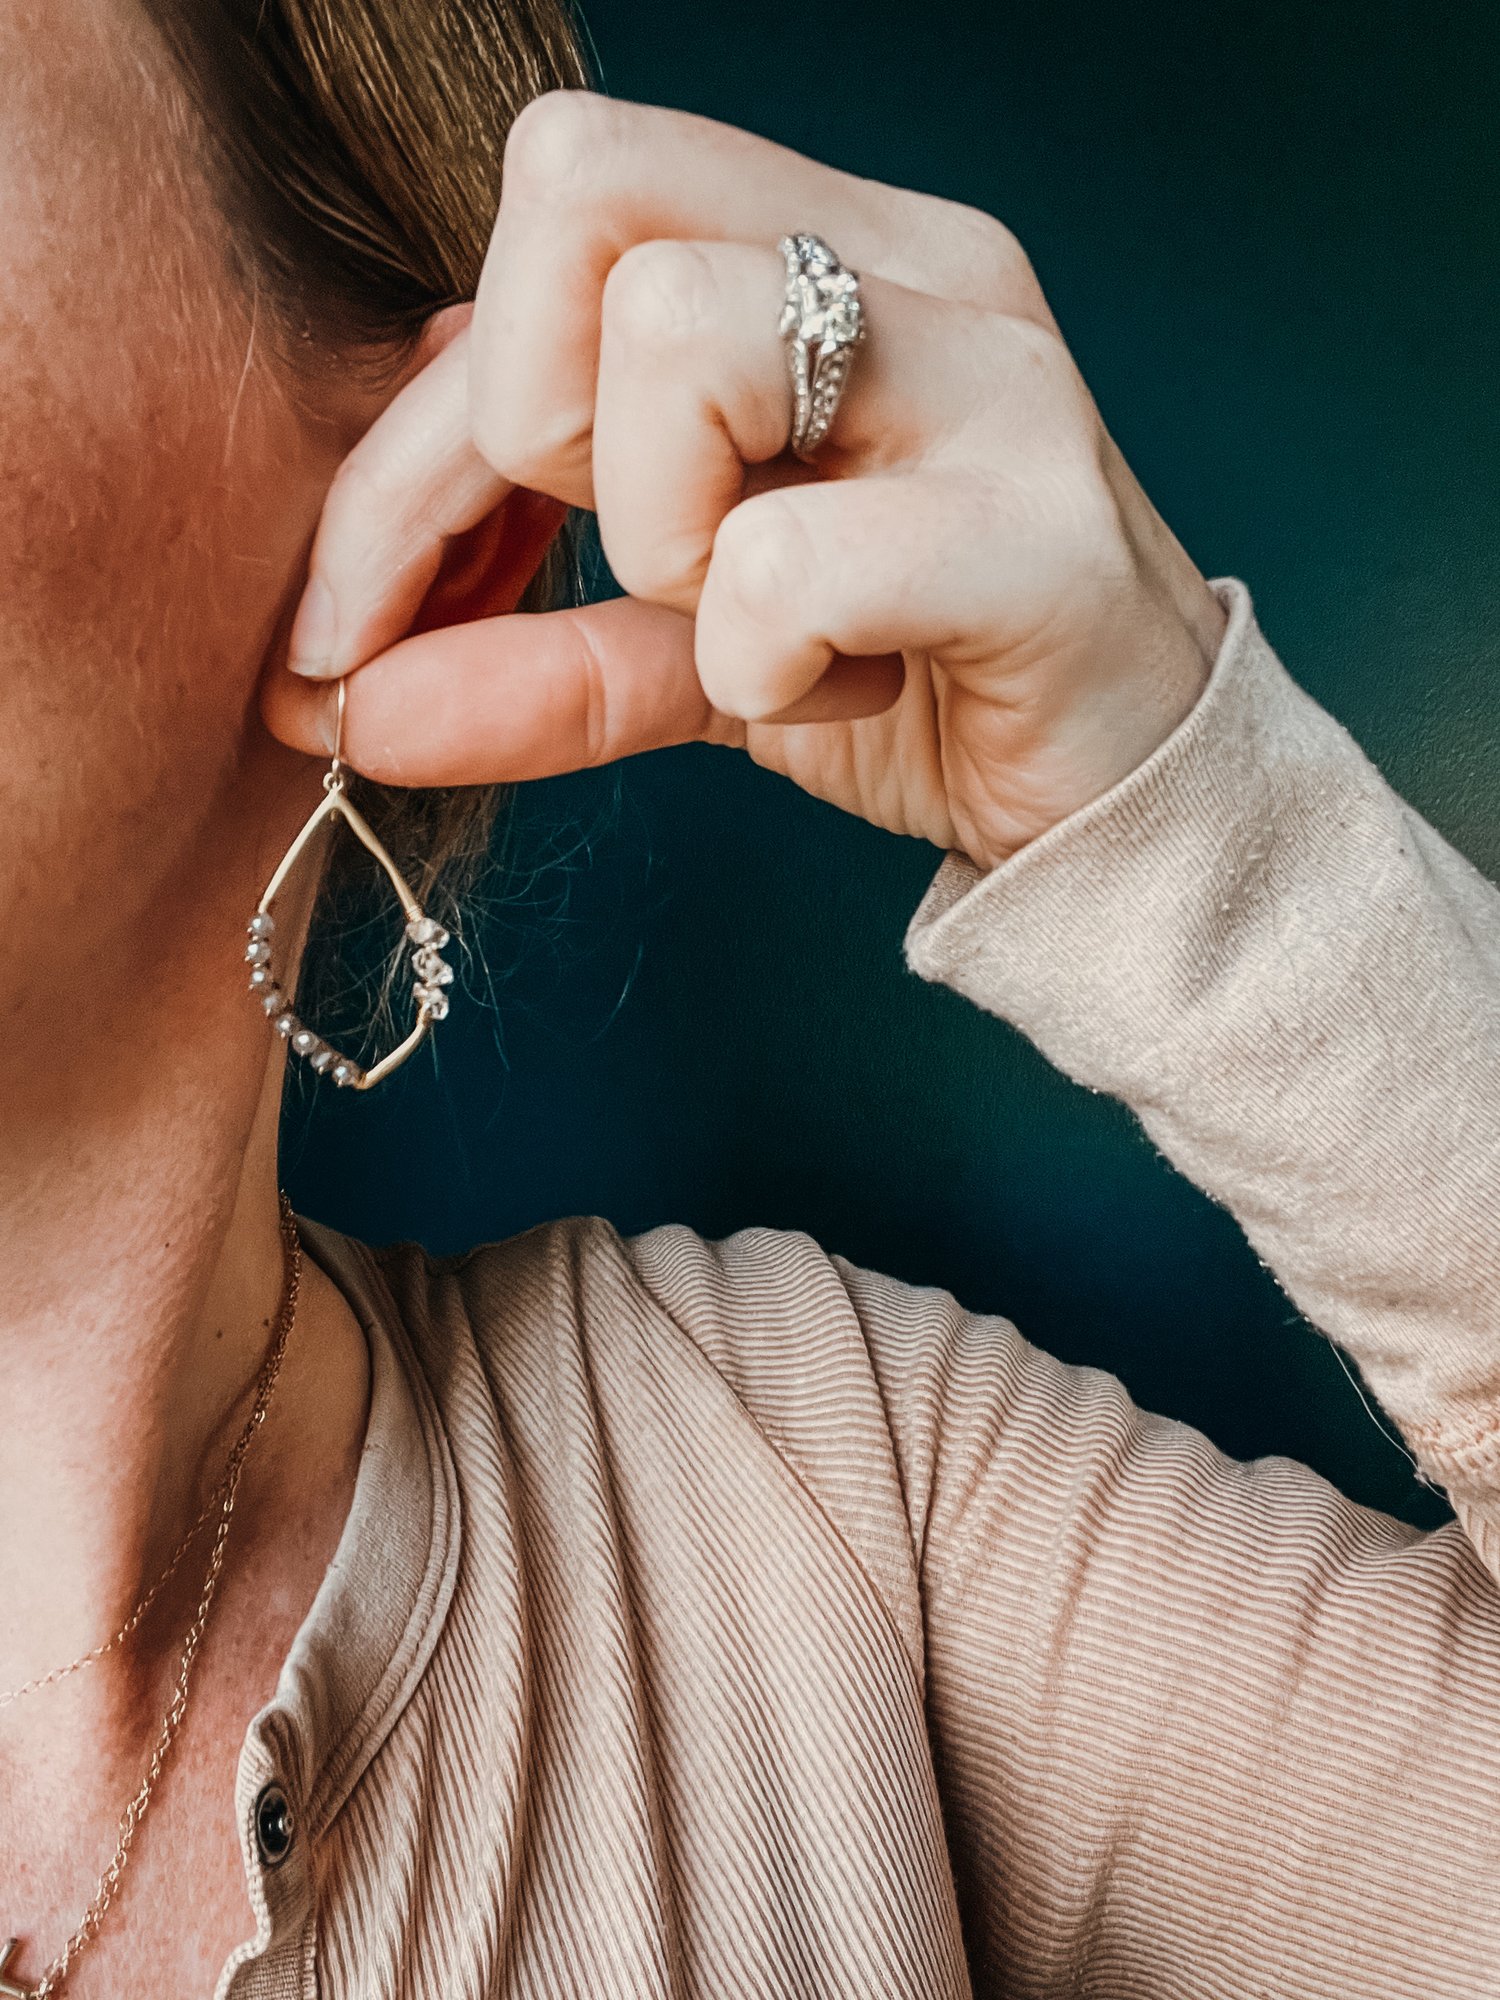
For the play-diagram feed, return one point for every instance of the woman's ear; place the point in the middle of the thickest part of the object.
(441, 329)
(485, 571)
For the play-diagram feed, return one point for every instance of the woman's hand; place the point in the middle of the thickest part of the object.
(965, 624)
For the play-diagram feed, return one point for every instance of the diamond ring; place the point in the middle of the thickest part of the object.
(822, 322)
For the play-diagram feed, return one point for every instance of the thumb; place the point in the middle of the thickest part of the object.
(505, 699)
(532, 695)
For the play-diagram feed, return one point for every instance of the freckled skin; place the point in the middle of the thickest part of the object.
(160, 478)
(156, 501)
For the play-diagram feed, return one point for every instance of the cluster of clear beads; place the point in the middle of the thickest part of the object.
(434, 975)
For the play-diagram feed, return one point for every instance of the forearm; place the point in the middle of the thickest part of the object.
(1296, 984)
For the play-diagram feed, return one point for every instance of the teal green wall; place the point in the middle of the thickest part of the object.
(1270, 235)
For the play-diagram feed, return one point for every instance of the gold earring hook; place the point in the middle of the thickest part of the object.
(334, 780)
(434, 975)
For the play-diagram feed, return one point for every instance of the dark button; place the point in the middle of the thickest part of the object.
(275, 1827)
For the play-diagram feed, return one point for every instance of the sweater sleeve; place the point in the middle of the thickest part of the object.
(1201, 1729)
(1295, 984)
(1204, 1727)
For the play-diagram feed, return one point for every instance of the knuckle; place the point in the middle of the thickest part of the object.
(659, 292)
(1044, 392)
(767, 559)
(596, 711)
(1074, 512)
(1038, 352)
(527, 447)
(556, 141)
(359, 489)
(1062, 389)
(1098, 524)
(493, 431)
(658, 568)
(980, 257)
(976, 231)
(1076, 502)
(487, 427)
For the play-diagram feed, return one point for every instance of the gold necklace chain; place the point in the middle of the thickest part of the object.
(226, 1492)
(137, 1617)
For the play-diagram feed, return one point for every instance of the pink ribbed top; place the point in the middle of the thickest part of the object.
(722, 1621)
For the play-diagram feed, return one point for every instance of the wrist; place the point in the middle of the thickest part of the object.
(1128, 709)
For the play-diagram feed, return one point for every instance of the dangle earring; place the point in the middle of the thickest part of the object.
(433, 974)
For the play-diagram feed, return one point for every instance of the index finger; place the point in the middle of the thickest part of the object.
(412, 483)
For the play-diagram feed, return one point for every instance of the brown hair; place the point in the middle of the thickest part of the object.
(358, 145)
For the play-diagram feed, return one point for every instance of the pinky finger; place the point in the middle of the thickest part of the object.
(809, 583)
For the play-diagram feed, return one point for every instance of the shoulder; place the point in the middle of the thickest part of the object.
(754, 1334)
(759, 1305)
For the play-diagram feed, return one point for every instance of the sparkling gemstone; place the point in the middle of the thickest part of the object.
(323, 1059)
(345, 1073)
(260, 925)
(433, 1002)
(432, 967)
(273, 1000)
(841, 320)
(261, 977)
(286, 1025)
(304, 1041)
(257, 952)
(426, 930)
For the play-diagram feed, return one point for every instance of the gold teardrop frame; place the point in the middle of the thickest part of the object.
(433, 973)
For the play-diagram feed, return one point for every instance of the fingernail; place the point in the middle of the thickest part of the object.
(314, 633)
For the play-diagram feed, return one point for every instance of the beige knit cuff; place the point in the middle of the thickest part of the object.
(1039, 939)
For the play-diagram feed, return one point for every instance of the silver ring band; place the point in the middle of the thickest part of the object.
(822, 322)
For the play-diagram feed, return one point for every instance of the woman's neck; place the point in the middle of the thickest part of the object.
(141, 1274)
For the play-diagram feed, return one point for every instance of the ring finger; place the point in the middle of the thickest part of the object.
(693, 389)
